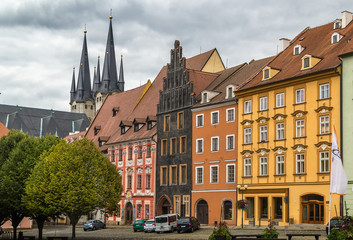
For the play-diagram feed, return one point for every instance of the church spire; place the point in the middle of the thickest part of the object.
(109, 76)
(84, 79)
(121, 82)
(73, 87)
(96, 78)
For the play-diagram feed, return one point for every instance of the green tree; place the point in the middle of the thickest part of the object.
(74, 179)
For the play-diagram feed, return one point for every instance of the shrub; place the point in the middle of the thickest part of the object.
(220, 230)
(270, 231)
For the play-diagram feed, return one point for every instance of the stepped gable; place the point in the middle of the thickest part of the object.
(317, 43)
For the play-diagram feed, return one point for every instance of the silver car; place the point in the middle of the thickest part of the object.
(150, 226)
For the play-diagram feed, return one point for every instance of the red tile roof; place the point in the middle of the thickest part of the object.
(3, 130)
(198, 62)
(200, 80)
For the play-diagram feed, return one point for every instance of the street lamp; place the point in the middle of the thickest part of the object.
(242, 189)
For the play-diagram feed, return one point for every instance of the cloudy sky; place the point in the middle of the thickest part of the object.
(41, 40)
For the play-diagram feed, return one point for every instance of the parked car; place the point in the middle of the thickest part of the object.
(186, 224)
(166, 223)
(139, 225)
(150, 226)
(93, 225)
(335, 223)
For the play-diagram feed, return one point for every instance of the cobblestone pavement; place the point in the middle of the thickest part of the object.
(126, 232)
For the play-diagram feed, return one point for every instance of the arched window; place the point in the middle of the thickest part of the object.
(227, 210)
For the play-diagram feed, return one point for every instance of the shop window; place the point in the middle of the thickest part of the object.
(263, 207)
(251, 208)
(227, 210)
(278, 207)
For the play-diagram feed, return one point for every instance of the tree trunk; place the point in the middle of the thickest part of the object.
(16, 219)
(40, 223)
(73, 220)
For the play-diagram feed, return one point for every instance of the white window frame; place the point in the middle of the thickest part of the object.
(324, 91)
(211, 172)
(213, 150)
(247, 135)
(324, 162)
(280, 165)
(197, 145)
(204, 97)
(228, 175)
(247, 106)
(300, 96)
(197, 120)
(324, 124)
(232, 89)
(279, 100)
(247, 167)
(233, 114)
(280, 131)
(212, 121)
(227, 142)
(263, 103)
(196, 175)
(338, 38)
(263, 133)
(300, 163)
(299, 125)
(263, 166)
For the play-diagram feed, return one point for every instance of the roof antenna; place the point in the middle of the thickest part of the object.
(200, 49)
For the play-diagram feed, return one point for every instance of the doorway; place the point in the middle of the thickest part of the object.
(128, 213)
(202, 212)
(313, 209)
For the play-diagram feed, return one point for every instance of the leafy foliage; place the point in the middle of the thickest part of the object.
(344, 232)
(220, 230)
(270, 232)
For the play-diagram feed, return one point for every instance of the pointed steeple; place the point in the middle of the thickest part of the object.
(84, 79)
(73, 87)
(96, 79)
(110, 76)
(121, 82)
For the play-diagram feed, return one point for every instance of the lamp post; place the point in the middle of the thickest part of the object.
(242, 189)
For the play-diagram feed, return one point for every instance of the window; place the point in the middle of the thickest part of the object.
(139, 151)
(118, 211)
(266, 73)
(214, 174)
(251, 207)
(296, 50)
(263, 133)
(167, 123)
(263, 166)
(247, 167)
(164, 175)
(148, 154)
(280, 164)
(324, 91)
(199, 120)
(299, 158)
(130, 153)
(263, 103)
(263, 207)
(247, 106)
(204, 98)
(214, 144)
(214, 118)
(139, 181)
(324, 161)
(183, 144)
(230, 92)
(183, 176)
(300, 130)
(186, 202)
(230, 142)
(280, 131)
(324, 124)
(129, 181)
(306, 62)
(230, 115)
(148, 181)
(173, 146)
(164, 147)
(230, 173)
(335, 37)
(280, 100)
(120, 154)
(228, 210)
(147, 211)
(173, 175)
(247, 135)
(177, 204)
(278, 207)
(299, 96)
(180, 120)
(113, 156)
(199, 145)
(138, 212)
(199, 175)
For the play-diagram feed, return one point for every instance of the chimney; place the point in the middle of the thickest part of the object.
(283, 44)
(346, 18)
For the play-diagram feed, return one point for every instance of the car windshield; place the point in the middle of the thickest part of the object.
(184, 220)
(161, 220)
(139, 221)
(150, 221)
(90, 221)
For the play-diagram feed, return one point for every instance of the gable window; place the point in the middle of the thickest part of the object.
(324, 124)
(199, 145)
(247, 106)
(230, 115)
(299, 96)
(230, 93)
(183, 176)
(139, 151)
(247, 167)
(164, 147)
(167, 123)
(214, 174)
(199, 120)
(306, 62)
(280, 131)
(183, 144)
(247, 135)
(230, 142)
(180, 120)
(204, 98)
(230, 173)
(199, 175)
(214, 118)
(324, 162)
(263, 166)
(173, 146)
(266, 73)
(214, 144)
(300, 130)
(280, 100)
(279, 164)
(299, 158)
(324, 91)
(263, 133)
(263, 103)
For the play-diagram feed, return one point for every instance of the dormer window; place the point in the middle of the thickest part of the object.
(297, 49)
(306, 62)
(96, 130)
(335, 37)
(204, 98)
(138, 124)
(115, 111)
(102, 140)
(309, 61)
(230, 92)
(151, 122)
(268, 73)
(337, 24)
(125, 126)
(122, 130)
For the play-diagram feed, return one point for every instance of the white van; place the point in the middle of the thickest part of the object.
(166, 223)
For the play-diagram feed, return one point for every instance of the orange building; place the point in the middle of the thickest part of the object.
(214, 152)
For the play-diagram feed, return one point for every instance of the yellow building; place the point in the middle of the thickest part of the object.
(285, 120)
